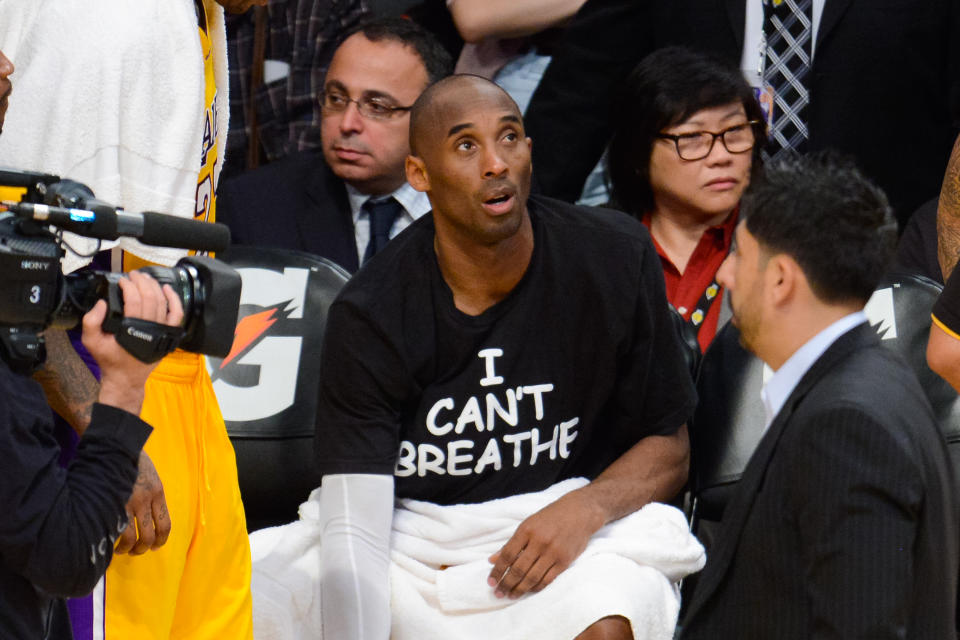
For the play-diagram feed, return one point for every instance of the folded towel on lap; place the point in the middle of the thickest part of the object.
(439, 570)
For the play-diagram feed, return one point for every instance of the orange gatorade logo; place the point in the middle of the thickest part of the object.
(248, 332)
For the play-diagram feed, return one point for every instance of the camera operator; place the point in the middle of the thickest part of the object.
(58, 526)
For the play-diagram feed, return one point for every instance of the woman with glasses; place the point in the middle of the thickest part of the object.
(687, 137)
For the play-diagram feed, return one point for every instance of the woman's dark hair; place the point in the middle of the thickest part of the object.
(666, 88)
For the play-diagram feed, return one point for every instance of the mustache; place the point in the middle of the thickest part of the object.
(502, 186)
(340, 143)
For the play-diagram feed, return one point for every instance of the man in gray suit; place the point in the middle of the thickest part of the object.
(845, 523)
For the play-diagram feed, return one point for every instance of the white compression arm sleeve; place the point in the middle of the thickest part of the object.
(356, 514)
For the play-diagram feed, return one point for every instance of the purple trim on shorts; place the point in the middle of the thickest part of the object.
(81, 609)
(81, 617)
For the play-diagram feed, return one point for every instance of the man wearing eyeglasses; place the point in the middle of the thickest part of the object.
(346, 203)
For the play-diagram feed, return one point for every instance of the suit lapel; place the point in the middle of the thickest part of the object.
(329, 223)
(737, 512)
(833, 10)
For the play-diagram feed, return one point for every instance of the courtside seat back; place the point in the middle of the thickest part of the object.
(904, 326)
(267, 385)
(729, 420)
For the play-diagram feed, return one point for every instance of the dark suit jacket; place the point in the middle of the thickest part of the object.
(845, 523)
(885, 84)
(294, 203)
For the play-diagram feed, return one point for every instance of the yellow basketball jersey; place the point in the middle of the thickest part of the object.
(209, 154)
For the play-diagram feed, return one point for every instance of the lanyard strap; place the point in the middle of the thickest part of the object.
(699, 313)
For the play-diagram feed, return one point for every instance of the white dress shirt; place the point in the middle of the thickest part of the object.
(786, 378)
(414, 203)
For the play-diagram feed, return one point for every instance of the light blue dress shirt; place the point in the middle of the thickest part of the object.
(785, 380)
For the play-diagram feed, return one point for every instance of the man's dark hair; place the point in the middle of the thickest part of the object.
(666, 88)
(821, 211)
(436, 60)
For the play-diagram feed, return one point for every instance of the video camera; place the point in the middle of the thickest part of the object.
(35, 294)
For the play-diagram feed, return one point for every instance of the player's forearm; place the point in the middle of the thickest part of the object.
(356, 513)
(653, 470)
(70, 387)
(943, 355)
(948, 215)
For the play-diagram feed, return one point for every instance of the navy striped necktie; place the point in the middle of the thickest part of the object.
(383, 213)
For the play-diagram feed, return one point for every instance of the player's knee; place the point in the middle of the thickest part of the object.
(610, 628)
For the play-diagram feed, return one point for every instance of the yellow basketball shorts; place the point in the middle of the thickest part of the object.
(198, 584)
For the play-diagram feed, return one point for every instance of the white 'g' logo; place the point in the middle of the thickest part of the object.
(881, 311)
(277, 356)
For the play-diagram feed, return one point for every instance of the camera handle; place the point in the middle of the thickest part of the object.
(145, 340)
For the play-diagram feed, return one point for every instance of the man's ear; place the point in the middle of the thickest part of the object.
(417, 173)
(783, 276)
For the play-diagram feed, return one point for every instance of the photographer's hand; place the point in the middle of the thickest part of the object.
(122, 375)
(147, 515)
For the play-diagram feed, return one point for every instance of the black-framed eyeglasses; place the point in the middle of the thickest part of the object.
(374, 108)
(697, 145)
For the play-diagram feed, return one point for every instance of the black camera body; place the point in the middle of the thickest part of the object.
(35, 294)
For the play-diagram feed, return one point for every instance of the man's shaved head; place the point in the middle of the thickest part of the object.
(471, 157)
(444, 101)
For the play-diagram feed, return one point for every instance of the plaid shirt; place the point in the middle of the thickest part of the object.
(302, 33)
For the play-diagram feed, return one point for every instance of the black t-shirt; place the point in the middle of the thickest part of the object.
(947, 307)
(572, 368)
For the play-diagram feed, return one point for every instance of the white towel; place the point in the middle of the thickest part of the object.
(111, 93)
(286, 580)
(629, 568)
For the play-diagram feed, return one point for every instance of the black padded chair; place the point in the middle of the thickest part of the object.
(729, 419)
(267, 385)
